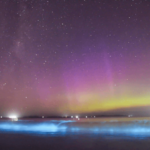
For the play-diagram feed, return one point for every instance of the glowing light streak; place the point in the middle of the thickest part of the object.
(134, 128)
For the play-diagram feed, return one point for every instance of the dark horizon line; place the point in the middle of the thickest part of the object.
(69, 116)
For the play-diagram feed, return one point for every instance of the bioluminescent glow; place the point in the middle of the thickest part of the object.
(49, 126)
(112, 127)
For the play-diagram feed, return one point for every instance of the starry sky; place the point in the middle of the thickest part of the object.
(74, 56)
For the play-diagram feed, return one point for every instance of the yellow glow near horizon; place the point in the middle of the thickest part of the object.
(93, 103)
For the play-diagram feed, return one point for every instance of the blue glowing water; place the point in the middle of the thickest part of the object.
(124, 127)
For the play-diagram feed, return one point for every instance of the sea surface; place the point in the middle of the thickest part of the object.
(73, 134)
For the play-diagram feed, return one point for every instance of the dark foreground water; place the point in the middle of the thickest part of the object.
(104, 133)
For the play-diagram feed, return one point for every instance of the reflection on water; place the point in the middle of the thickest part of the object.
(122, 127)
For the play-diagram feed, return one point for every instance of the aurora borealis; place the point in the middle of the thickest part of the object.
(74, 56)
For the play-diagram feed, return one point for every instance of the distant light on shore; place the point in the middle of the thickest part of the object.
(13, 117)
(77, 117)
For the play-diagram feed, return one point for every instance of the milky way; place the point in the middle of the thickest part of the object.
(73, 56)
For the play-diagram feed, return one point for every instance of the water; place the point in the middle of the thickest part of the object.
(105, 133)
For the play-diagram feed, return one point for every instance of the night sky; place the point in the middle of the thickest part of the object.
(74, 56)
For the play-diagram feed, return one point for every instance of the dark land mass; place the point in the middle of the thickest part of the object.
(81, 116)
